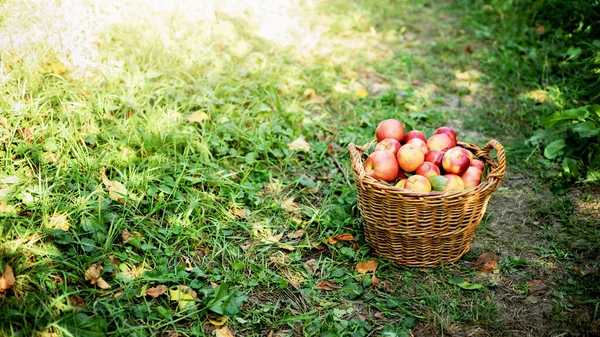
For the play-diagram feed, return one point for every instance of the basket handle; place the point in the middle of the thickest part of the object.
(356, 153)
(498, 171)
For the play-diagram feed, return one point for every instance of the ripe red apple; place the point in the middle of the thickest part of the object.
(382, 165)
(477, 163)
(401, 182)
(418, 183)
(456, 160)
(427, 169)
(447, 131)
(455, 183)
(414, 134)
(435, 156)
(410, 157)
(440, 142)
(390, 128)
(388, 145)
(471, 177)
(401, 174)
(419, 142)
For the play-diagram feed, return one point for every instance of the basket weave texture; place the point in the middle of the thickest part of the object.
(424, 229)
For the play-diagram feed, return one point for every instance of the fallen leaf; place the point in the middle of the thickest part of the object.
(76, 301)
(28, 198)
(289, 205)
(332, 240)
(25, 133)
(102, 284)
(117, 294)
(299, 145)
(536, 286)
(379, 315)
(362, 93)
(183, 295)
(217, 320)
(56, 68)
(6, 209)
(311, 266)
(172, 334)
(539, 96)
(8, 279)
(585, 269)
(297, 234)
(311, 95)
(366, 266)
(486, 262)
(374, 281)
(213, 284)
(198, 117)
(10, 180)
(126, 236)
(241, 213)
(286, 246)
(328, 285)
(157, 291)
(272, 238)
(318, 246)
(224, 332)
(114, 260)
(92, 274)
(540, 29)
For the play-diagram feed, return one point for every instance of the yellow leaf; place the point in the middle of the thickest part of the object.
(362, 93)
(273, 238)
(60, 221)
(183, 295)
(157, 291)
(299, 145)
(286, 246)
(117, 191)
(224, 332)
(539, 96)
(217, 320)
(366, 266)
(54, 68)
(6, 209)
(198, 117)
(289, 205)
(7, 279)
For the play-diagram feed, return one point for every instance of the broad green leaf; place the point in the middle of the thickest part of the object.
(554, 149)
(586, 129)
(438, 182)
(470, 286)
(566, 115)
(80, 324)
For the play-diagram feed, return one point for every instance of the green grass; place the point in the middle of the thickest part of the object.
(204, 200)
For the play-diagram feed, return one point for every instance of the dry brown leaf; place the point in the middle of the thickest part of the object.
(224, 332)
(76, 301)
(328, 285)
(114, 260)
(8, 279)
(198, 117)
(272, 239)
(93, 273)
(117, 294)
(213, 284)
(299, 145)
(486, 262)
(366, 266)
(157, 291)
(536, 286)
(289, 205)
(297, 234)
(332, 240)
(126, 236)
(241, 213)
(172, 334)
(374, 281)
(102, 284)
(270, 334)
(311, 266)
(116, 190)
(318, 246)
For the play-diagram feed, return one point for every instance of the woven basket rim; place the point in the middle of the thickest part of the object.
(492, 181)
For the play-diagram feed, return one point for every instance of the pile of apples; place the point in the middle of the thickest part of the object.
(413, 162)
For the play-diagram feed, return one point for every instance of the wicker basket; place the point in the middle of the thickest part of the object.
(424, 229)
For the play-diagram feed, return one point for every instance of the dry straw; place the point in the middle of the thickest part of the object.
(424, 229)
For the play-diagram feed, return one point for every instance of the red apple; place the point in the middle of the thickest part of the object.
(440, 142)
(410, 157)
(477, 163)
(435, 156)
(382, 165)
(390, 128)
(401, 174)
(455, 183)
(471, 177)
(456, 161)
(427, 169)
(419, 142)
(388, 145)
(401, 182)
(414, 134)
(447, 131)
(418, 183)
